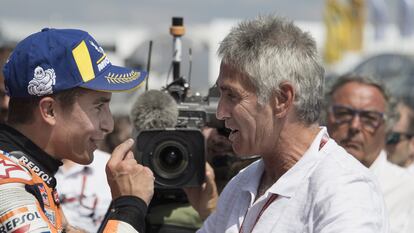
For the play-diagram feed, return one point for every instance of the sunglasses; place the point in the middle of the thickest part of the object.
(394, 138)
(370, 120)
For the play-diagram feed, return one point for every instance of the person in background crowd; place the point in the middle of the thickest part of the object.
(221, 156)
(4, 102)
(360, 113)
(5, 51)
(122, 131)
(271, 90)
(83, 196)
(60, 82)
(400, 141)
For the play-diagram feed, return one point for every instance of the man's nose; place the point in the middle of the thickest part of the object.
(221, 112)
(107, 123)
(356, 123)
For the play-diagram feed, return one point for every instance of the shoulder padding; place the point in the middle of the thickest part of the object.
(12, 172)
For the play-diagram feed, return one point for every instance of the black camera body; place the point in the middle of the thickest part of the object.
(175, 155)
(199, 112)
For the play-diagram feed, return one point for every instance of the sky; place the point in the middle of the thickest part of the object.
(155, 12)
(27, 17)
(22, 18)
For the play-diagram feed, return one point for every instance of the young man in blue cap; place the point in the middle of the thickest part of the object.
(60, 83)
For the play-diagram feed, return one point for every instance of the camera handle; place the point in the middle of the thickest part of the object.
(179, 87)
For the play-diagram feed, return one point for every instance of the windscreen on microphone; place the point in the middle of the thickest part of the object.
(154, 109)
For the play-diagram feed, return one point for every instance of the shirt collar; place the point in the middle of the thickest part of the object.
(252, 177)
(12, 140)
(290, 181)
(379, 162)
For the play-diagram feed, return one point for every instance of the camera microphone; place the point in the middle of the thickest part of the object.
(154, 110)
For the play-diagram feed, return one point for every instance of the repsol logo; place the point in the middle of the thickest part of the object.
(11, 224)
(29, 164)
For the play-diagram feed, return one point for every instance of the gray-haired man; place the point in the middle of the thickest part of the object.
(271, 85)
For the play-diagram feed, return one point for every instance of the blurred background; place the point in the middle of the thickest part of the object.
(371, 36)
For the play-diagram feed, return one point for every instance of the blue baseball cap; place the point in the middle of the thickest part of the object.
(54, 60)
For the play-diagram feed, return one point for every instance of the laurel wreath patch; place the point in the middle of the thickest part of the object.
(122, 78)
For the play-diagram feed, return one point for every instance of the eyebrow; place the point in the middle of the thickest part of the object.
(357, 109)
(225, 87)
(102, 100)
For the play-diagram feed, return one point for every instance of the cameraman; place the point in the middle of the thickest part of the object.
(169, 210)
(59, 82)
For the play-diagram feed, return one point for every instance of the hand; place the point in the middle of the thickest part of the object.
(67, 228)
(127, 177)
(71, 229)
(204, 198)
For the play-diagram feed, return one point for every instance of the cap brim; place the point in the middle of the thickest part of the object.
(116, 78)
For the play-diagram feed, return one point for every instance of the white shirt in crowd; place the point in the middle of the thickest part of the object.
(326, 191)
(84, 192)
(397, 185)
(411, 168)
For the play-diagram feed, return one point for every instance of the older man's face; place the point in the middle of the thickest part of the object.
(252, 126)
(356, 122)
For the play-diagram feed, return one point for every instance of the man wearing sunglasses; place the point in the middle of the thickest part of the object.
(400, 141)
(359, 116)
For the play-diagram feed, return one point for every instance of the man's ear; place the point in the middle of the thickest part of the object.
(284, 99)
(47, 109)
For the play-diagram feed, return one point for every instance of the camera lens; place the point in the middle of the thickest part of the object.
(170, 159)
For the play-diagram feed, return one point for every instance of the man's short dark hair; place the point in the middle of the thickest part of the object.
(21, 109)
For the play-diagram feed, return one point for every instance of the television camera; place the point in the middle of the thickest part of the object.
(176, 153)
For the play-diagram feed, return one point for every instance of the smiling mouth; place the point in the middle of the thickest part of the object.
(95, 143)
(234, 131)
(233, 134)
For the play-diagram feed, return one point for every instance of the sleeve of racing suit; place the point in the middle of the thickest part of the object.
(19, 210)
(126, 214)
